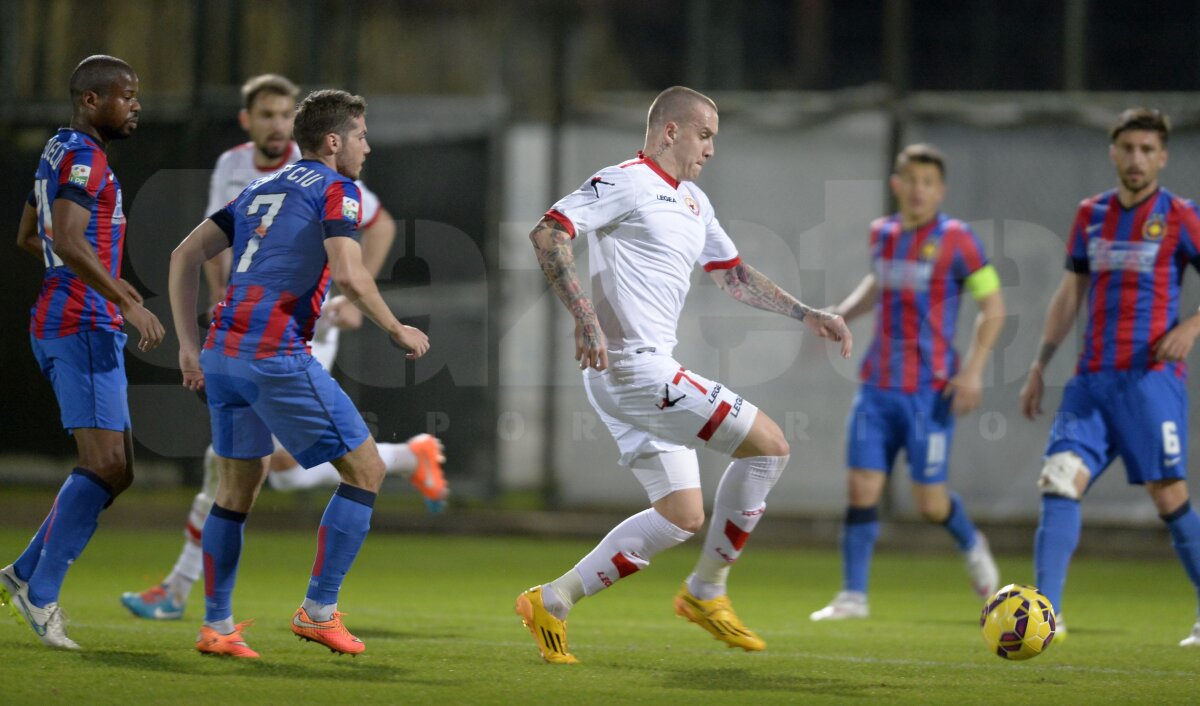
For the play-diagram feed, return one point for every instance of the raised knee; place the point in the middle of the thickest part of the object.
(775, 445)
(690, 522)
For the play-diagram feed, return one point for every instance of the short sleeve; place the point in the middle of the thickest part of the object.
(1189, 231)
(969, 256)
(223, 217)
(342, 209)
(217, 191)
(1077, 255)
(604, 199)
(81, 175)
(719, 252)
(370, 206)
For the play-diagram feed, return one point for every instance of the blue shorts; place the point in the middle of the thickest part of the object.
(290, 396)
(1140, 416)
(87, 371)
(884, 421)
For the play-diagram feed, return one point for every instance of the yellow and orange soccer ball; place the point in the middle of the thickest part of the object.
(1017, 622)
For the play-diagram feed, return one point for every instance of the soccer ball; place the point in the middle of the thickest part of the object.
(1017, 622)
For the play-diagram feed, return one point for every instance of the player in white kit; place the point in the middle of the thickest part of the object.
(269, 108)
(648, 226)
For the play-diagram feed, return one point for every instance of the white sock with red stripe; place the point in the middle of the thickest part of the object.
(738, 507)
(191, 559)
(627, 549)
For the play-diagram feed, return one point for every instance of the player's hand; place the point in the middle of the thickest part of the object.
(412, 340)
(149, 328)
(591, 347)
(1177, 342)
(827, 324)
(193, 375)
(342, 313)
(130, 291)
(967, 391)
(1031, 393)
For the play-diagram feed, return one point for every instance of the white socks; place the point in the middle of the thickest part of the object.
(319, 612)
(397, 458)
(627, 549)
(738, 507)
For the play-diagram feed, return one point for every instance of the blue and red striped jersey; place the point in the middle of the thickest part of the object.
(73, 166)
(1135, 258)
(277, 228)
(920, 275)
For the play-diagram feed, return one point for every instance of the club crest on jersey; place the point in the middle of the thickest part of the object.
(929, 250)
(1155, 227)
(350, 209)
(80, 173)
(691, 203)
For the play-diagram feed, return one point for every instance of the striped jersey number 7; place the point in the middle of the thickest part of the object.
(273, 202)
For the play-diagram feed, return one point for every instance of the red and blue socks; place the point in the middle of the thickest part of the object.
(221, 541)
(63, 535)
(343, 530)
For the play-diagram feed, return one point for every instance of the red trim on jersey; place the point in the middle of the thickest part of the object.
(562, 219)
(368, 224)
(64, 167)
(319, 562)
(1100, 290)
(333, 202)
(736, 535)
(624, 566)
(43, 308)
(886, 296)
(241, 319)
(643, 159)
(710, 427)
(277, 321)
(1123, 358)
(1160, 303)
(910, 319)
(723, 264)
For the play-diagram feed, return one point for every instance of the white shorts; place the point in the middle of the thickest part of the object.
(651, 404)
(324, 344)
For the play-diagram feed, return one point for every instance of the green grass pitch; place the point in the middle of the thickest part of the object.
(437, 616)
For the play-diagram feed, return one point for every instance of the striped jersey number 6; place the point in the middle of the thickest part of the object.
(273, 202)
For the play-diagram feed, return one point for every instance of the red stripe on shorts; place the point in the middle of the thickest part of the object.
(710, 427)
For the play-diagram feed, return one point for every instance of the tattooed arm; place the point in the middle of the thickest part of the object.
(753, 288)
(552, 243)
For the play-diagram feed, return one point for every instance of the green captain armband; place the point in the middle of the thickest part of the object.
(983, 282)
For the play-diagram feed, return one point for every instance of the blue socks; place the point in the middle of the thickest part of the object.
(1055, 541)
(343, 529)
(959, 525)
(1184, 526)
(63, 535)
(858, 544)
(221, 539)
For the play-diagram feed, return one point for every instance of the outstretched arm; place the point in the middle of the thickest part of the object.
(1060, 316)
(358, 285)
(183, 284)
(552, 243)
(753, 288)
(860, 301)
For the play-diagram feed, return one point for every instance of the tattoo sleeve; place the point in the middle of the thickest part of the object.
(753, 288)
(553, 247)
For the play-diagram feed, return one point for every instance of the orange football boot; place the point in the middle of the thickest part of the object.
(331, 633)
(211, 642)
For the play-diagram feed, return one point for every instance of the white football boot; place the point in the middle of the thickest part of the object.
(846, 604)
(985, 576)
(1192, 640)
(48, 623)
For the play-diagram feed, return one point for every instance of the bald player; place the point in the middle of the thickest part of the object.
(74, 222)
(649, 226)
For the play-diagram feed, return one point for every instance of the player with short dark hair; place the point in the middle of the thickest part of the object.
(74, 221)
(912, 384)
(292, 233)
(649, 226)
(1126, 256)
(267, 119)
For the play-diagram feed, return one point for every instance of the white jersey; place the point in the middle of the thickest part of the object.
(236, 169)
(647, 231)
